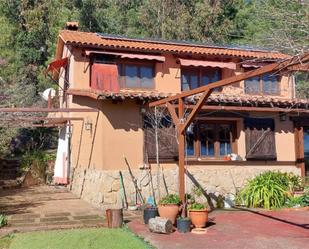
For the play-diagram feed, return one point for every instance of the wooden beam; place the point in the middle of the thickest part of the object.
(42, 119)
(38, 109)
(172, 111)
(181, 153)
(195, 110)
(278, 66)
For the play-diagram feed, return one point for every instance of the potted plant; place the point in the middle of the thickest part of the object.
(198, 214)
(183, 222)
(169, 207)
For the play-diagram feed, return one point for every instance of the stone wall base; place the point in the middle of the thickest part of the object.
(104, 189)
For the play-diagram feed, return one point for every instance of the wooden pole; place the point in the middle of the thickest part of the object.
(181, 151)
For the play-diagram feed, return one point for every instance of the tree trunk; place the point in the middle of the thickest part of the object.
(160, 225)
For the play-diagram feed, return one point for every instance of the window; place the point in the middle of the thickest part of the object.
(267, 84)
(195, 77)
(213, 139)
(136, 76)
(260, 139)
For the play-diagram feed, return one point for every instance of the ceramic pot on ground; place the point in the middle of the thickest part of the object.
(183, 225)
(199, 218)
(150, 213)
(169, 211)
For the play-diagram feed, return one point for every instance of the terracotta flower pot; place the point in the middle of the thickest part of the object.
(169, 211)
(199, 218)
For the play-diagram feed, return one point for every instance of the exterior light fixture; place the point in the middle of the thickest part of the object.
(88, 125)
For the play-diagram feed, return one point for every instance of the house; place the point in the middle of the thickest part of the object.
(259, 121)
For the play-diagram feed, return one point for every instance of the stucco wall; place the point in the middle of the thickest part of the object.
(167, 75)
(97, 157)
(115, 133)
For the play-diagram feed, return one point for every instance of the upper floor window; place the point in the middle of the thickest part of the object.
(195, 77)
(140, 76)
(267, 84)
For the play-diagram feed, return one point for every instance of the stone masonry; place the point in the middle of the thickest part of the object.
(103, 189)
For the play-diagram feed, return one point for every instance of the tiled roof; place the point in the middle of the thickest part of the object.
(213, 99)
(251, 100)
(123, 94)
(114, 42)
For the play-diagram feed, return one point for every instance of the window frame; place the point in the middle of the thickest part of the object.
(261, 90)
(197, 139)
(139, 64)
(200, 72)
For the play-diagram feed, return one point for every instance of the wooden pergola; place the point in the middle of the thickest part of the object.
(177, 102)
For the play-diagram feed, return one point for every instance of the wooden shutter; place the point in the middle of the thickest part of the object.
(168, 147)
(104, 77)
(260, 139)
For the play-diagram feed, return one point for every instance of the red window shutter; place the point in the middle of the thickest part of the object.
(104, 77)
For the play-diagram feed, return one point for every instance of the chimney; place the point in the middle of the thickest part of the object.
(71, 26)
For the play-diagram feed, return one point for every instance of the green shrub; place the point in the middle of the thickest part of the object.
(305, 197)
(170, 199)
(3, 220)
(268, 190)
(294, 201)
(197, 206)
(37, 161)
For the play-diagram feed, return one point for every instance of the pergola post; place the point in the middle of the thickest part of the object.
(181, 150)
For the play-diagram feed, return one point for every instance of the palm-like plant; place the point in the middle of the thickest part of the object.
(268, 190)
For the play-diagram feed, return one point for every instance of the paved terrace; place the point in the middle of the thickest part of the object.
(48, 207)
(240, 230)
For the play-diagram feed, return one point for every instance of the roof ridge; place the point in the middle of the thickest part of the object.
(181, 43)
(172, 42)
(120, 42)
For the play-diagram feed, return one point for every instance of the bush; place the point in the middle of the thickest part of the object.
(268, 190)
(3, 220)
(299, 201)
(305, 197)
(170, 199)
(197, 206)
(37, 162)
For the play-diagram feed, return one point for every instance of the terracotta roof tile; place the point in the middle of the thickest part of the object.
(122, 94)
(213, 99)
(94, 39)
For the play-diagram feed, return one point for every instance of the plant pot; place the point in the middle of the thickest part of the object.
(199, 218)
(183, 225)
(150, 213)
(169, 211)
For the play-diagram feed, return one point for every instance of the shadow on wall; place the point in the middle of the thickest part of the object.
(123, 115)
(208, 197)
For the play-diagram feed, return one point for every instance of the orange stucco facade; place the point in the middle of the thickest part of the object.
(116, 130)
(104, 138)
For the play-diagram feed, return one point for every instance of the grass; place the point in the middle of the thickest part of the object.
(5, 242)
(97, 238)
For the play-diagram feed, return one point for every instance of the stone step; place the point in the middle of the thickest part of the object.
(9, 184)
